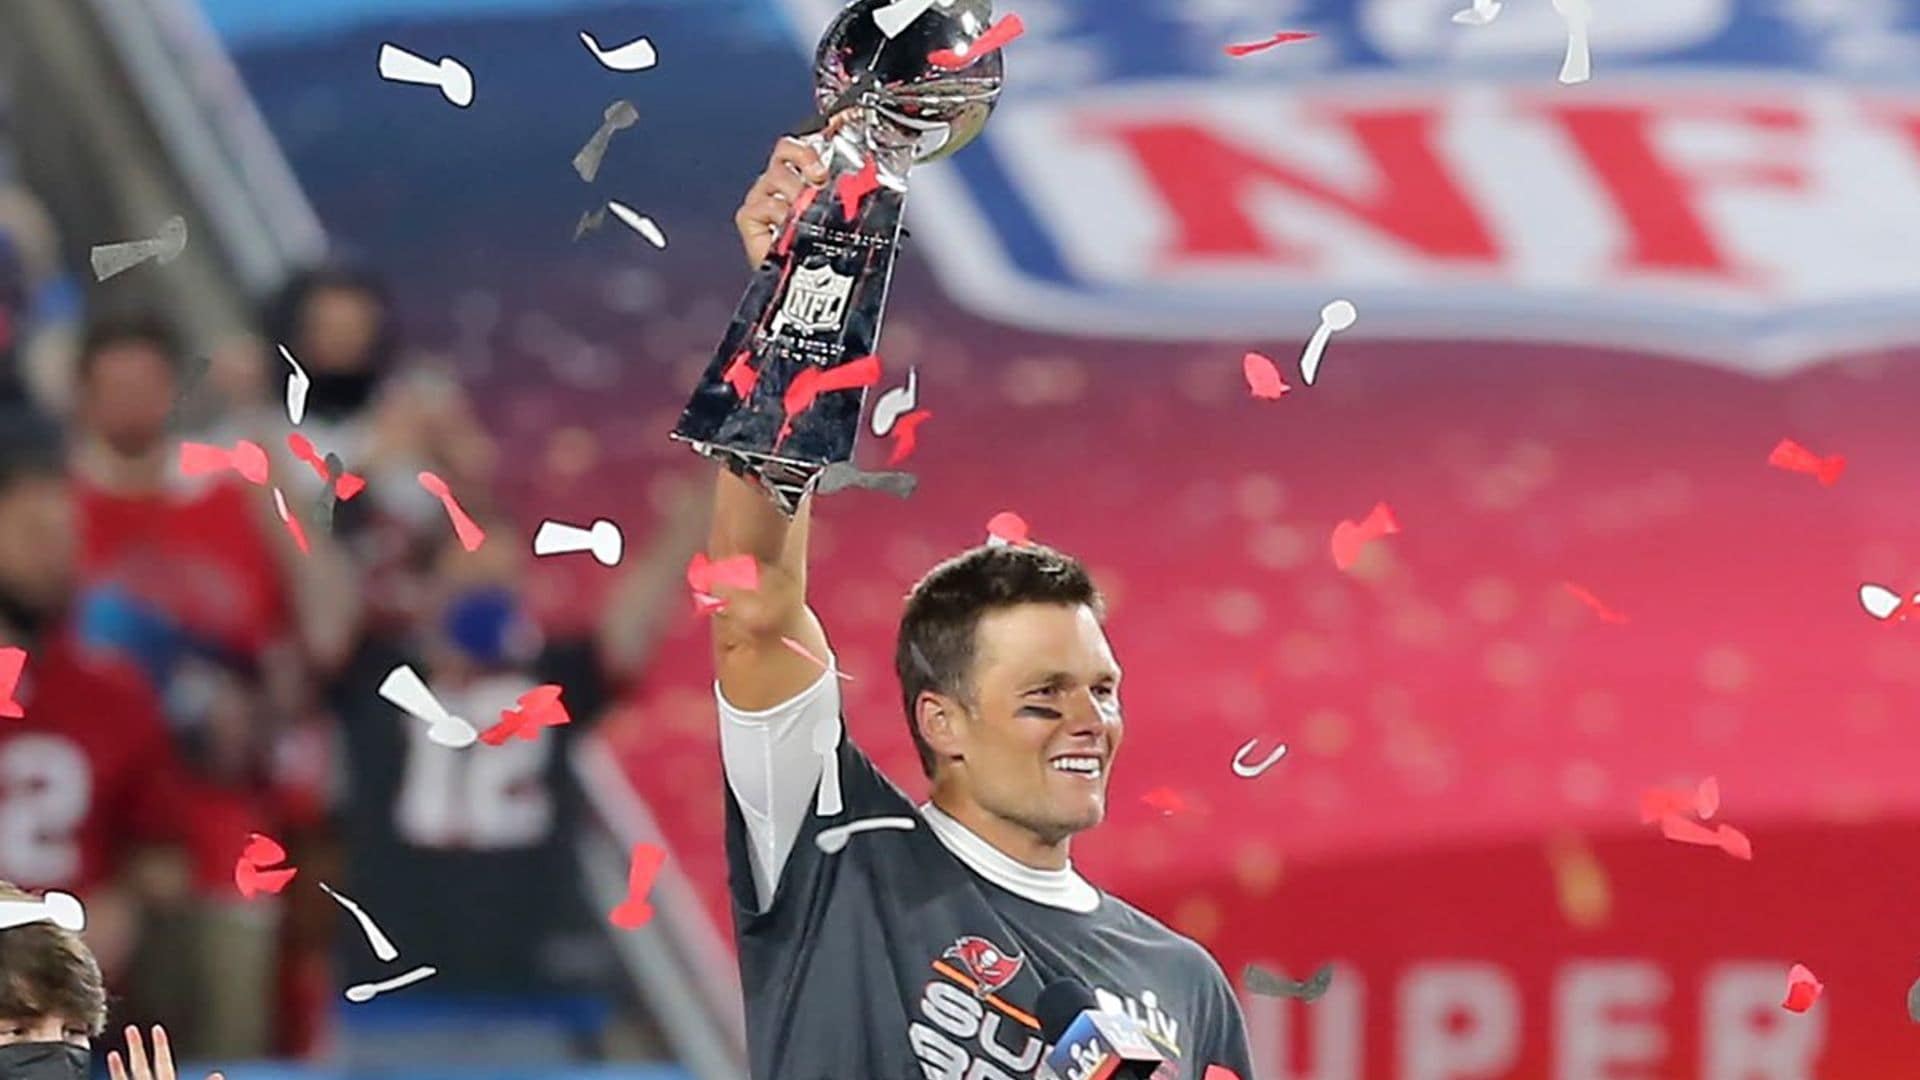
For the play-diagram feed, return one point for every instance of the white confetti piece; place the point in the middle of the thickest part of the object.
(1880, 601)
(1578, 66)
(297, 386)
(635, 55)
(404, 688)
(833, 840)
(899, 15)
(1242, 769)
(111, 259)
(603, 540)
(1335, 317)
(1480, 14)
(382, 945)
(640, 223)
(617, 117)
(363, 992)
(895, 404)
(61, 909)
(450, 75)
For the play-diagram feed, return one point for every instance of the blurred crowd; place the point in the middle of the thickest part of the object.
(195, 674)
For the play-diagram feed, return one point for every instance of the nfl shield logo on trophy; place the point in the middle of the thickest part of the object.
(816, 300)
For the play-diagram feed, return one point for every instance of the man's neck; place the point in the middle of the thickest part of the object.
(1016, 842)
(121, 474)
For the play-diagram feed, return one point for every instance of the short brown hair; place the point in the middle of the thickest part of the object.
(122, 327)
(46, 970)
(935, 648)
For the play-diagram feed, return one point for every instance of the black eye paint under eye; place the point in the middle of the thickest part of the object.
(1041, 711)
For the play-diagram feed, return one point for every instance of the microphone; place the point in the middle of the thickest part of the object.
(1089, 1044)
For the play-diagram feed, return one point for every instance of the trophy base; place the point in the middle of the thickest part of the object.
(785, 480)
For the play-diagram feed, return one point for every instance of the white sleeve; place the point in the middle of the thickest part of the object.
(773, 768)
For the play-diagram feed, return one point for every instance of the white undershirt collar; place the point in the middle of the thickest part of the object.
(1061, 888)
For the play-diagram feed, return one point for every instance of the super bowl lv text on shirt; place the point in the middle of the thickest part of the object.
(921, 953)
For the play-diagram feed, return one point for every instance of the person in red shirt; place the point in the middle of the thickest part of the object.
(89, 772)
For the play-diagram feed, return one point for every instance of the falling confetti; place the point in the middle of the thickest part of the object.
(1792, 457)
(589, 221)
(899, 15)
(246, 458)
(1259, 980)
(1280, 38)
(1580, 883)
(635, 55)
(834, 840)
(1884, 604)
(110, 260)
(1349, 538)
(807, 386)
(895, 404)
(1007, 527)
(292, 523)
(841, 475)
(376, 938)
(1164, 799)
(603, 540)
(364, 992)
(62, 909)
(635, 912)
(737, 571)
(1726, 837)
(1706, 801)
(1585, 596)
(641, 224)
(1335, 317)
(404, 687)
(1802, 989)
(617, 117)
(852, 189)
(999, 34)
(470, 535)
(450, 75)
(816, 661)
(1242, 769)
(538, 708)
(1480, 14)
(346, 487)
(1578, 66)
(1263, 377)
(252, 873)
(298, 383)
(13, 660)
(1735, 843)
(906, 435)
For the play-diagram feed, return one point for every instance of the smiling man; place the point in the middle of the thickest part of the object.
(923, 951)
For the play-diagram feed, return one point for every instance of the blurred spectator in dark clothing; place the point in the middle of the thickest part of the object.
(467, 854)
(39, 304)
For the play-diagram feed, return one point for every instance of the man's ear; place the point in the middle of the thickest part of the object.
(942, 723)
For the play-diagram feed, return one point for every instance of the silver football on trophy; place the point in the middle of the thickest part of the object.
(937, 109)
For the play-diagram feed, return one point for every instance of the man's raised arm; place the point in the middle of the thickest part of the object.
(756, 669)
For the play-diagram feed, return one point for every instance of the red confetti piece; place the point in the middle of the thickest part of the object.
(13, 660)
(1349, 538)
(1585, 596)
(1706, 801)
(703, 575)
(1656, 803)
(800, 205)
(635, 912)
(740, 374)
(470, 535)
(246, 458)
(853, 188)
(292, 523)
(1008, 526)
(808, 653)
(1802, 989)
(1793, 457)
(1220, 1072)
(997, 35)
(1735, 843)
(250, 872)
(1165, 800)
(348, 486)
(904, 434)
(344, 488)
(1263, 377)
(537, 708)
(807, 386)
(1280, 38)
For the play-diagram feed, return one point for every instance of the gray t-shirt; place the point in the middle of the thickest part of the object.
(921, 954)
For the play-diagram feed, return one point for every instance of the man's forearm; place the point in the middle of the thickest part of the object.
(745, 522)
